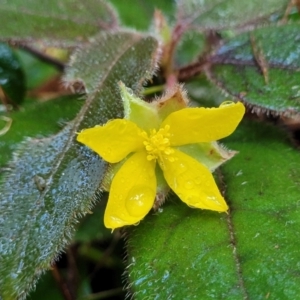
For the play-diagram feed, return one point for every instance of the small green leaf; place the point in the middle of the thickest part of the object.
(261, 68)
(217, 15)
(12, 79)
(251, 253)
(69, 21)
(54, 181)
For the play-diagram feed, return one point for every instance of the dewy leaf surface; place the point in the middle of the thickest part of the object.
(87, 62)
(251, 253)
(225, 14)
(261, 68)
(68, 20)
(53, 181)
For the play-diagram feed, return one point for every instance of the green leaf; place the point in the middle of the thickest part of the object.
(36, 119)
(139, 13)
(217, 15)
(53, 181)
(191, 45)
(36, 71)
(92, 64)
(69, 21)
(184, 253)
(261, 69)
(12, 79)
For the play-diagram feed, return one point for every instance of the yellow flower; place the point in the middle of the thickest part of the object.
(143, 150)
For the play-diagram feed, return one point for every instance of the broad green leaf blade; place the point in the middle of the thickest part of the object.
(36, 119)
(217, 15)
(12, 79)
(263, 191)
(251, 253)
(61, 21)
(54, 181)
(182, 253)
(261, 69)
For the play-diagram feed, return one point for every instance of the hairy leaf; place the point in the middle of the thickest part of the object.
(220, 14)
(12, 79)
(53, 181)
(251, 253)
(92, 66)
(36, 119)
(191, 45)
(261, 68)
(67, 21)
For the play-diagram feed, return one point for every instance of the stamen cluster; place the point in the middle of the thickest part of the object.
(157, 144)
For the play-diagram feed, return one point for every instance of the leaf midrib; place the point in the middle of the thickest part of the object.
(232, 238)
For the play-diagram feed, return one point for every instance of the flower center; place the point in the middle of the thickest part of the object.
(158, 143)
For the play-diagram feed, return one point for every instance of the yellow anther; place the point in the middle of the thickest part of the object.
(157, 144)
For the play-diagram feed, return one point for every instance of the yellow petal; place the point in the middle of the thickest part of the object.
(198, 125)
(192, 182)
(132, 192)
(114, 140)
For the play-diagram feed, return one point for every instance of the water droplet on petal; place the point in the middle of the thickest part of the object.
(227, 103)
(181, 168)
(189, 185)
(207, 183)
(117, 220)
(198, 180)
(139, 200)
(188, 198)
(214, 199)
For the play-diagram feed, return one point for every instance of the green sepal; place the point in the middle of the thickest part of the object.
(212, 154)
(174, 99)
(139, 111)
